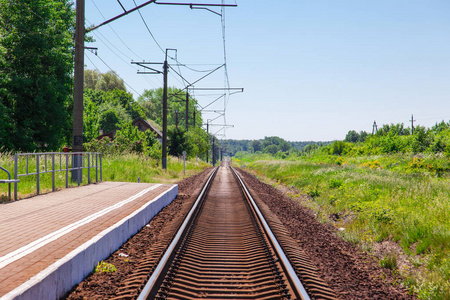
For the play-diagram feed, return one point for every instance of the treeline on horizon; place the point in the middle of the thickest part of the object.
(396, 138)
(270, 145)
(389, 139)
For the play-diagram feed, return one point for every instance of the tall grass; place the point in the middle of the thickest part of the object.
(116, 167)
(372, 204)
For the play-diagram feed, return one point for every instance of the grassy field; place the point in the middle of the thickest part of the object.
(395, 207)
(123, 167)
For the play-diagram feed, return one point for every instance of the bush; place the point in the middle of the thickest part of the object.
(337, 148)
(127, 140)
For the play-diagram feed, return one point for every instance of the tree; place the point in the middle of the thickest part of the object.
(111, 115)
(197, 142)
(91, 78)
(271, 149)
(309, 148)
(362, 136)
(108, 81)
(281, 144)
(177, 141)
(337, 148)
(36, 72)
(91, 124)
(352, 137)
(151, 102)
(106, 110)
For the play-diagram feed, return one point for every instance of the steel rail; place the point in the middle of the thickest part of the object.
(152, 286)
(290, 272)
(154, 278)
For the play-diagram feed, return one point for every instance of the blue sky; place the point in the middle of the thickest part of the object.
(311, 70)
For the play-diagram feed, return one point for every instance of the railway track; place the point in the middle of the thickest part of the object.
(225, 250)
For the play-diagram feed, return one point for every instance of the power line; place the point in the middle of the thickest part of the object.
(117, 75)
(153, 37)
(114, 30)
(120, 57)
(148, 29)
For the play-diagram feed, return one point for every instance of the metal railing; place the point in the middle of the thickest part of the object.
(42, 163)
(8, 181)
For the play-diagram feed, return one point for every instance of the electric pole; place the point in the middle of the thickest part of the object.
(412, 124)
(187, 111)
(164, 102)
(77, 128)
(207, 133)
(374, 127)
(213, 153)
(164, 140)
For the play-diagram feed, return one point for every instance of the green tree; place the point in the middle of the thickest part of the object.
(91, 78)
(280, 143)
(337, 148)
(111, 116)
(91, 124)
(36, 73)
(310, 148)
(197, 142)
(271, 149)
(177, 141)
(352, 137)
(106, 110)
(362, 136)
(109, 81)
(151, 103)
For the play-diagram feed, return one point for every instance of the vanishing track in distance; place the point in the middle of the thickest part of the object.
(226, 250)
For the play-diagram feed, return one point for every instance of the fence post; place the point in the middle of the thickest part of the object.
(184, 162)
(53, 172)
(37, 173)
(89, 167)
(79, 159)
(67, 171)
(101, 172)
(96, 167)
(16, 161)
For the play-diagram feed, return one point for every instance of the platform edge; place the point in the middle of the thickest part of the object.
(59, 278)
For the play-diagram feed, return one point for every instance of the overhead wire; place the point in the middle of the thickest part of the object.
(148, 29)
(102, 39)
(226, 79)
(153, 37)
(117, 74)
(115, 31)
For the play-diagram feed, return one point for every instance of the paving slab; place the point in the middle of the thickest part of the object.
(50, 242)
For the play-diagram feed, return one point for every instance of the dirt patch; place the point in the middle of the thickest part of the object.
(350, 272)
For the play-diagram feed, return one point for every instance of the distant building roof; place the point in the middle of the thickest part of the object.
(143, 125)
(110, 134)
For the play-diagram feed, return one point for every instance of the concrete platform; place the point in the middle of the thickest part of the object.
(51, 242)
